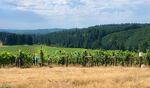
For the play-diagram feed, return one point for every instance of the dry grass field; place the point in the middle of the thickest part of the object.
(75, 77)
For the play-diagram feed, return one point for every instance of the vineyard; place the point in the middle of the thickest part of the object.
(36, 55)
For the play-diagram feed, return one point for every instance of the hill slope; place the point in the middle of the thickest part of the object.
(122, 36)
(38, 31)
(118, 36)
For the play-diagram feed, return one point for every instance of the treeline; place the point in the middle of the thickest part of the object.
(114, 37)
(22, 39)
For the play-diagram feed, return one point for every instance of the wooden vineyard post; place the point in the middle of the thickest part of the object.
(92, 63)
(42, 57)
(131, 62)
(84, 61)
(67, 61)
(106, 58)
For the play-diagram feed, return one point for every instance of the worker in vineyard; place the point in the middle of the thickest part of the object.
(49, 60)
(17, 61)
(34, 60)
(85, 54)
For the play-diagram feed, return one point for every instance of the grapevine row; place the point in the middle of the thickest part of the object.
(85, 58)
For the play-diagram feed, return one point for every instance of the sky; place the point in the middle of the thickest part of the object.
(39, 14)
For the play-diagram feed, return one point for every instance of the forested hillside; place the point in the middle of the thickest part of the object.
(123, 36)
(117, 36)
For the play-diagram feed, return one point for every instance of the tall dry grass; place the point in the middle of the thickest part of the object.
(75, 77)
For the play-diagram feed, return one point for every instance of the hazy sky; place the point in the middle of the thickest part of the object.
(33, 14)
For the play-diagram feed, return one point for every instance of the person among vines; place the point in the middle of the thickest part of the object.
(49, 60)
(19, 61)
(34, 60)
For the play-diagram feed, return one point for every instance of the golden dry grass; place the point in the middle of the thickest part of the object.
(76, 77)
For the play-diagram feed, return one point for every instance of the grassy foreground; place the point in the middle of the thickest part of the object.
(75, 77)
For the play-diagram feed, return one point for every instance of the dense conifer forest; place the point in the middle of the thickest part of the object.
(109, 37)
